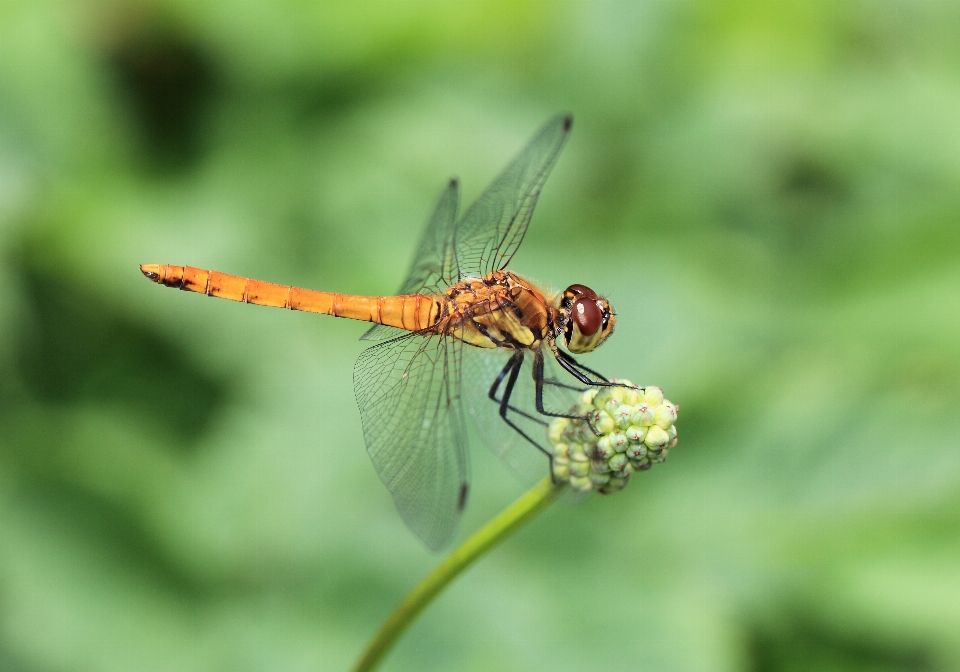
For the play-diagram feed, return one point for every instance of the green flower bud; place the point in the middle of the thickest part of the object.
(588, 396)
(599, 466)
(628, 390)
(577, 453)
(581, 483)
(604, 447)
(557, 428)
(636, 433)
(609, 398)
(599, 479)
(622, 415)
(656, 437)
(664, 415)
(618, 461)
(584, 404)
(625, 429)
(614, 485)
(653, 395)
(632, 396)
(642, 415)
(581, 409)
(579, 468)
(561, 471)
(603, 422)
(587, 435)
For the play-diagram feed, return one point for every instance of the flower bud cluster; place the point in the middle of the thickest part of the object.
(622, 430)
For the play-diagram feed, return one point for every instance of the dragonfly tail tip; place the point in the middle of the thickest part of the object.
(152, 271)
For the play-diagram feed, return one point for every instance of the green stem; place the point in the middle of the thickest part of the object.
(491, 534)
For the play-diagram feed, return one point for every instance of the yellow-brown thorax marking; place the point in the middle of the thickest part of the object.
(499, 311)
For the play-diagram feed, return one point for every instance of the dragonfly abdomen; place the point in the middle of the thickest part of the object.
(412, 312)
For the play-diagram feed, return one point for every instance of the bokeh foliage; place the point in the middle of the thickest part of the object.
(768, 191)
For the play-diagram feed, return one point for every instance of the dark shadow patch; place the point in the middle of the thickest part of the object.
(801, 644)
(807, 178)
(73, 348)
(168, 81)
(336, 93)
(116, 533)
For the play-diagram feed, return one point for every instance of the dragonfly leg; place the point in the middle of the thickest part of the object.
(572, 366)
(511, 371)
(556, 383)
(539, 382)
(568, 363)
(496, 385)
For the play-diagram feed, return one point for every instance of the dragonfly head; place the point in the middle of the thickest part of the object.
(587, 319)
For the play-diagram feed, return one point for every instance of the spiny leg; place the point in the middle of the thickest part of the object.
(553, 382)
(539, 382)
(572, 366)
(512, 370)
(570, 360)
(492, 393)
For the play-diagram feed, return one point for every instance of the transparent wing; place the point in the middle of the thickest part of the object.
(408, 390)
(491, 230)
(381, 332)
(481, 366)
(434, 265)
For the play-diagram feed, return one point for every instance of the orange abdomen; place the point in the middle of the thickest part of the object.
(408, 311)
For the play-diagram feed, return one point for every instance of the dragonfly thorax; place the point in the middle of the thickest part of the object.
(500, 310)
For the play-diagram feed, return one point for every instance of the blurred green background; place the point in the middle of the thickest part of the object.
(768, 191)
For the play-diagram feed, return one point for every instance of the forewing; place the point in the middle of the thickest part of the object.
(408, 390)
(491, 230)
(434, 264)
(481, 366)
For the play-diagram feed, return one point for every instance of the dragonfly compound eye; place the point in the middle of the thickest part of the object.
(587, 315)
(581, 290)
(588, 319)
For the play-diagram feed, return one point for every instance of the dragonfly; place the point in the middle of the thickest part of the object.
(459, 314)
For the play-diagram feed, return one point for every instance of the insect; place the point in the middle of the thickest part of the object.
(458, 309)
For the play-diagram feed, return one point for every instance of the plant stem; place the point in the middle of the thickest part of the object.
(491, 534)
